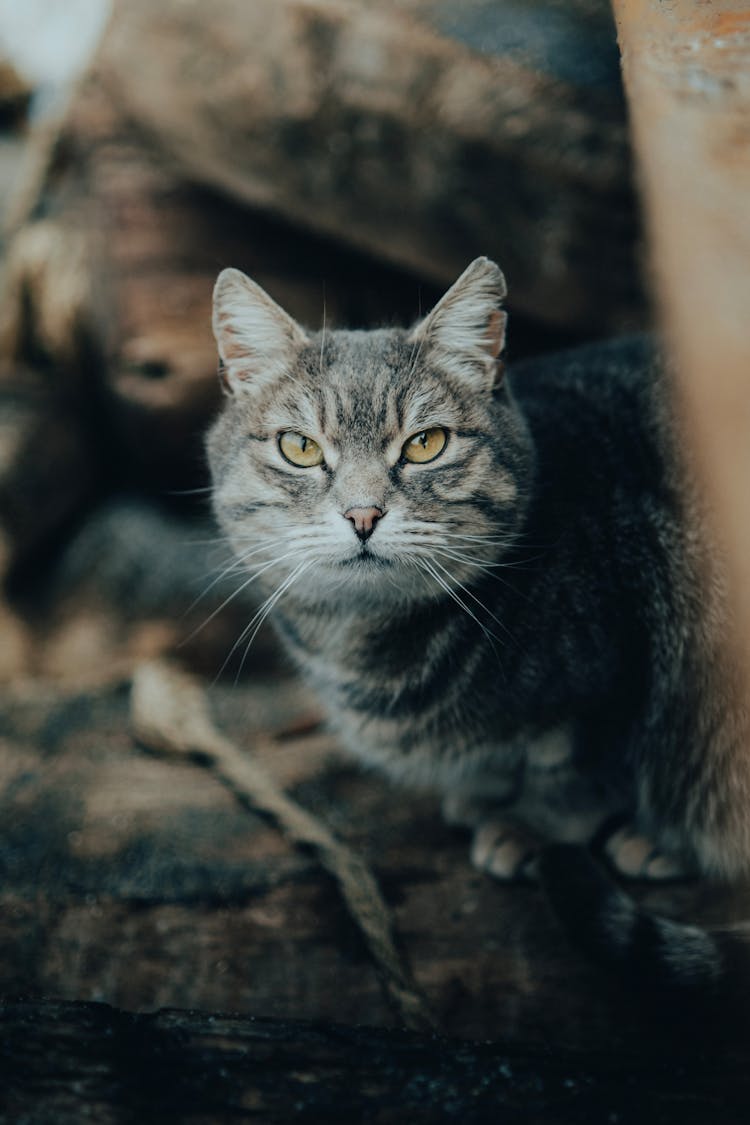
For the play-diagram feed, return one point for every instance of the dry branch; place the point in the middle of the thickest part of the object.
(170, 713)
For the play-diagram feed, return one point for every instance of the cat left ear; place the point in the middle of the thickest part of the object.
(257, 340)
(464, 335)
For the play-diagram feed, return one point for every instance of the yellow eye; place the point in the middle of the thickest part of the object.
(425, 446)
(300, 450)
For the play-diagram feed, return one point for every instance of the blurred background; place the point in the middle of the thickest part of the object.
(353, 158)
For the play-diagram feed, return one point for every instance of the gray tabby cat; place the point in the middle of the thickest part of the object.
(497, 587)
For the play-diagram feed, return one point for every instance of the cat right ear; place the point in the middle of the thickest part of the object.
(464, 335)
(257, 340)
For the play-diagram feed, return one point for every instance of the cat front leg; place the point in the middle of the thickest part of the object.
(506, 849)
(636, 856)
(532, 794)
(502, 846)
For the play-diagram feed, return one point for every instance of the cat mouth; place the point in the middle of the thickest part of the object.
(366, 559)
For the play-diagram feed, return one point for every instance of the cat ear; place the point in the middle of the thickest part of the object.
(257, 340)
(464, 335)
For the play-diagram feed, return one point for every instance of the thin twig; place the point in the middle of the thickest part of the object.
(170, 713)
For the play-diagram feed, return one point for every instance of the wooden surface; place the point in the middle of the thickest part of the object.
(66, 1063)
(139, 881)
(687, 73)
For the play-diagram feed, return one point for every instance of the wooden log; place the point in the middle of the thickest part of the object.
(423, 132)
(67, 1063)
(687, 72)
(139, 881)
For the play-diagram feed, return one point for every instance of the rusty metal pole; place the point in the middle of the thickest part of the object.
(686, 65)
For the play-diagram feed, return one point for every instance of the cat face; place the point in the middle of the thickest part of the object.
(380, 465)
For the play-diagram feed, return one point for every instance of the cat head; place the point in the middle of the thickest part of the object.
(386, 464)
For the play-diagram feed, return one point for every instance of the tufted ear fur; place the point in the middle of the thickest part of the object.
(464, 335)
(257, 340)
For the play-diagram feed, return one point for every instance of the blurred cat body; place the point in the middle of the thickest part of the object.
(497, 584)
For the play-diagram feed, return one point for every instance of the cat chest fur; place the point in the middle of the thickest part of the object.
(418, 695)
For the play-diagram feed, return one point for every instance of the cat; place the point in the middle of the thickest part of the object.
(500, 586)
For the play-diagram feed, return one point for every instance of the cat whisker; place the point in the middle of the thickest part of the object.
(235, 565)
(504, 541)
(220, 539)
(491, 637)
(260, 616)
(238, 591)
(206, 542)
(519, 564)
(436, 532)
(474, 598)
(461, 556)
(499, 540)
(270, 604)
(478, 541)
(492, 540)
(188, 491)
(323, 334)
(415, 354)
(468, 560)
(490, 569)
(435, 546)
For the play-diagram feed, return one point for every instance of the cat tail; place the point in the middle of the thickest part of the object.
(684, 970)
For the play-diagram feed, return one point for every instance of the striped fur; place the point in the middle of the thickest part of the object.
(536, 619)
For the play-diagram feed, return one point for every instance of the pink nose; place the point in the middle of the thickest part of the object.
(364, 520)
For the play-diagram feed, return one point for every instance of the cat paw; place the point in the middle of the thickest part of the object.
(506, 850)
(637, 857)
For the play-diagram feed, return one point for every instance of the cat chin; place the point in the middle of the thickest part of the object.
(375, 584)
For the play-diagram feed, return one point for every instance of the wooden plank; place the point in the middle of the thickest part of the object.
(687, 73)
(66, 1063)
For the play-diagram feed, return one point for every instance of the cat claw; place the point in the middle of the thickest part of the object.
(636, 857)
(506, 851)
